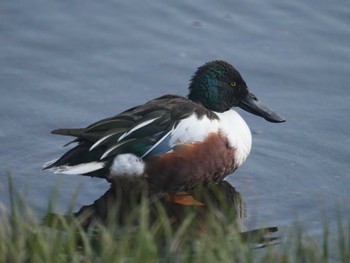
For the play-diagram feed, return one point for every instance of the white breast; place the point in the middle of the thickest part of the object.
(231, 125)
(192, 130)
(238, 133)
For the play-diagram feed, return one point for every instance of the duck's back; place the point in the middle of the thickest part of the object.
(142, 131)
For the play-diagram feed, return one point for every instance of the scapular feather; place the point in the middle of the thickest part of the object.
(109, 124)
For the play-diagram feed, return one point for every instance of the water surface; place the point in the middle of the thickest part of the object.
(68, 64)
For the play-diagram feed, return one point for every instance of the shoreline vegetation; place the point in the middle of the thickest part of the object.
(127, 224)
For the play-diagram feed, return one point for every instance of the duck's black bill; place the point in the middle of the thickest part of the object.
(253, 105)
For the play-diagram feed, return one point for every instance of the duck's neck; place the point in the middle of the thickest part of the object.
(209, 97)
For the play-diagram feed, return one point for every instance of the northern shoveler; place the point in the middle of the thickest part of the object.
(173, 141)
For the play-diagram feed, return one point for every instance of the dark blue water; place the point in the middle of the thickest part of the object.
(70, 63)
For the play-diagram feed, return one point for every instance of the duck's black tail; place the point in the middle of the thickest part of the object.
(69, 132)
(80, 160)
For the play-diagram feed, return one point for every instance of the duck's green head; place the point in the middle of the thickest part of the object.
(218, 86)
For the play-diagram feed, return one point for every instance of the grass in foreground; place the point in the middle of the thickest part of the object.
(149, 230)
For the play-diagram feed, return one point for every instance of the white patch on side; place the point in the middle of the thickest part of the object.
(192, 130)
(78, 169)
(127, 164)
(139, 126)
(238, 133)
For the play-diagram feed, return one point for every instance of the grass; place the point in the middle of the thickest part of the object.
(118, 228)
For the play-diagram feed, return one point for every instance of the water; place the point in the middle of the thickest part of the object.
(68, 64)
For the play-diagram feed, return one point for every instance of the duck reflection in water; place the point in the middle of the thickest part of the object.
(217, 204)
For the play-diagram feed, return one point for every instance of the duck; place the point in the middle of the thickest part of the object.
(175, 142)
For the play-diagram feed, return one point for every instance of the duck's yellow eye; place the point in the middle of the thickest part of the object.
(233, 84)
